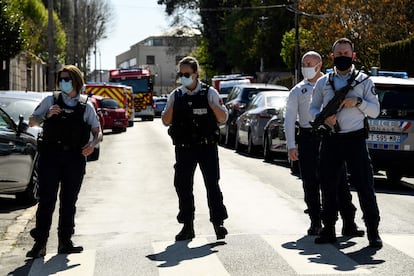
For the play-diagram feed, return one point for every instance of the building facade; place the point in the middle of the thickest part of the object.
(161, 53)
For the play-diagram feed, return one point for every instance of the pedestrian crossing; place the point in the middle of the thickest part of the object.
(239, 254)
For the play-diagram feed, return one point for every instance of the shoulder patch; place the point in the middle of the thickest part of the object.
(373, 91)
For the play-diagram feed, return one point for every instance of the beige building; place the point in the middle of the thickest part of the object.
(161, 53)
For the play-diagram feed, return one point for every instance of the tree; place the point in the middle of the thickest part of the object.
(239, 34)
(12, 39)
(369, 24)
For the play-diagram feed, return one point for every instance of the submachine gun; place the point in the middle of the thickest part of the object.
(318, 125)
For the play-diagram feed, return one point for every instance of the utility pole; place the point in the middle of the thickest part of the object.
(75, 33)
(51, 48)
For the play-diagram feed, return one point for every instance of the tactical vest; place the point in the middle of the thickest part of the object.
(193, 119)
(66, 131)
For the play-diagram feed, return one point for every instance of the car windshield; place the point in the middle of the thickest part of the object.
(16, 107)
(109, 103)
(276, 101)
(396, 101)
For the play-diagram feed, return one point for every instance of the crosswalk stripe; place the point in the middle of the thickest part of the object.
(306, 258)
(64, 265)
(187, 258)
(403, 243)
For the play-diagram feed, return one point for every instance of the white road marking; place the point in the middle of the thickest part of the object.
(403, 243)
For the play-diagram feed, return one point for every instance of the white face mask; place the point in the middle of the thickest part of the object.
(186, 81)
(309, 72)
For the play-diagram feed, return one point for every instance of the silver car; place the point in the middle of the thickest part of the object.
(250, 125)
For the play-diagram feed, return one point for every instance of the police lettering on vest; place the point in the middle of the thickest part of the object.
(68, 130)
(193, 119)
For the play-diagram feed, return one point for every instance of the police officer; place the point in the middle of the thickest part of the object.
(307, 150)
(346, 145)
(68, 119)
(192, 112)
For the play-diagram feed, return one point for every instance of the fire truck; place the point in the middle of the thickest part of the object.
(121, 93)
(141, 81)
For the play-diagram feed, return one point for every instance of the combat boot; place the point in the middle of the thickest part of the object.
(350, 229)
(66, 247)
(315, 228)
(38, 250)
(187, 233)
(374, 238)
(327, 235)
(220, 230)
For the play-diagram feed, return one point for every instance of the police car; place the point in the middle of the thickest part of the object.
(391, 136)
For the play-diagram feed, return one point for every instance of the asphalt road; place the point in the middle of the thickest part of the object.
(126, 221)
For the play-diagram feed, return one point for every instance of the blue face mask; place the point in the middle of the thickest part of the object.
(66, 86)
(187, 81)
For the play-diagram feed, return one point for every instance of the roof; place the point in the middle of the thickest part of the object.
(24, 94)
(181, 31)
(264, 85)
(392, 80)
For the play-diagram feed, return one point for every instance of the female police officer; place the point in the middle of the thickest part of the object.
(68, 119)
(192, 112)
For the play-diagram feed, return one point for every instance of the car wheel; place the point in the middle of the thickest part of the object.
(393, 176)
(130, 123)
(267, 154)
(30, 195)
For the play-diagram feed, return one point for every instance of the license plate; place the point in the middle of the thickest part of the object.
(385, 138)
(118, 123)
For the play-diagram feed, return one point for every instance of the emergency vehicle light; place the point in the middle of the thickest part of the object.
(395, 74)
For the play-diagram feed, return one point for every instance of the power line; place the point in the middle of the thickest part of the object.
(243, 8)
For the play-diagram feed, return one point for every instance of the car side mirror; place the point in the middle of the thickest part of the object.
(22, 126)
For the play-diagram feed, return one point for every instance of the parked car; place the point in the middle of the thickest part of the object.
(237, 101)
(250, 124)
(159, 105)
(391, 135)
(274, 141)
(18, 159)
(113, 116)
(225, 86)
(16, 103)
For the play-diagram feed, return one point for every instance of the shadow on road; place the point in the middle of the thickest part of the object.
(10, 204)
(56, 264)
(179, 251)
(330, 253)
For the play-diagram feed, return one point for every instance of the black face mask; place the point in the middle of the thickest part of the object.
(342, 63)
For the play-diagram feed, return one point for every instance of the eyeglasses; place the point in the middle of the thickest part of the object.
(187, 75)
(66, 79)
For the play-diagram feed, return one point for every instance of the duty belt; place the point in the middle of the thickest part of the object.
(204, 141)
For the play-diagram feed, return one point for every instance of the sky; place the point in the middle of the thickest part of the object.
(133, 21)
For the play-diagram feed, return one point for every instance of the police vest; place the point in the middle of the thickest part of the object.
(193, 119)
(68, 130)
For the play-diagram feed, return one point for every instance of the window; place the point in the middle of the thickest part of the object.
(150, 59)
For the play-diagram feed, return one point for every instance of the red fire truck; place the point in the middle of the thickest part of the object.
(141, 81)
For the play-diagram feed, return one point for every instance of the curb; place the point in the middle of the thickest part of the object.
(13, 231)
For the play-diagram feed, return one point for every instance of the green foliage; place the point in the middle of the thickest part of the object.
(288, 46)
(398, 56)
(11, 29)
(36, 28)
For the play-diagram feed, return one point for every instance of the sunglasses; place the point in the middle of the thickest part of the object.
(187, 75)
(66, 79)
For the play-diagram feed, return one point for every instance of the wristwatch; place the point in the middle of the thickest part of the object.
(359, 102)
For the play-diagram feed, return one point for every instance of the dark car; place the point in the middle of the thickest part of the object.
(250, 125)
(18, 159)
(113, 116)
(159, 105)
(236, 104)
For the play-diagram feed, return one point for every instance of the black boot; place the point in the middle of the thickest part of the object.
(187, 233)
(350, 229)
(66, 247)
(315, 228)
(327, 235)
(220, 230)
(374, 238)
(38, 250)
